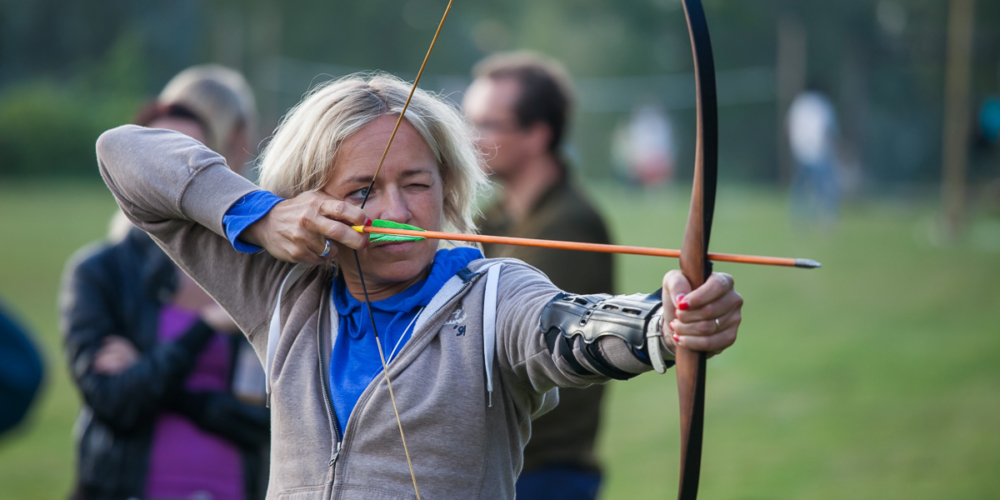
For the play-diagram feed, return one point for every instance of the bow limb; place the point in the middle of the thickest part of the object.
(690, 365)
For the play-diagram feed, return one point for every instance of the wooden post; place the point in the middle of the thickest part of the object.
(958, 69)
(791, 76)
(265, 51)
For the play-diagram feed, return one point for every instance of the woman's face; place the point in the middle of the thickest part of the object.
(409, 189)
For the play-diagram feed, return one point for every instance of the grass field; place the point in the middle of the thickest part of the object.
(875, 377)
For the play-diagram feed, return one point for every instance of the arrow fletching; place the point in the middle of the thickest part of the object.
(388, 224)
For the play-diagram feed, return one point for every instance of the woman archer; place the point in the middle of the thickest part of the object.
(474, 346)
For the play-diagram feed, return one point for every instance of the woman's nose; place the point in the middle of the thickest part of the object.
(394, 206)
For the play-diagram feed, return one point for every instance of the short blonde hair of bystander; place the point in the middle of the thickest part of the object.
(220, 96)
(301, 154)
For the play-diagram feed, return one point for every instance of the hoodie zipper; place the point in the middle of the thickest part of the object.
(324, 374)
(326, 378)
(336, 454)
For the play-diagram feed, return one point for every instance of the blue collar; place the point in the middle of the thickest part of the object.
(447, 262)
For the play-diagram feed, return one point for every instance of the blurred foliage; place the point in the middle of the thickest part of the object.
(48, 129)
(882, 61)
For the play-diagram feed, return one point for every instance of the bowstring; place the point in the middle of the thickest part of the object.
(357, 260)
(406, 105)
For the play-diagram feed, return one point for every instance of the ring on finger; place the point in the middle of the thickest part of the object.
(326, 251)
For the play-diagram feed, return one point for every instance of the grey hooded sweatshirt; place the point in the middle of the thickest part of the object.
(465, 440)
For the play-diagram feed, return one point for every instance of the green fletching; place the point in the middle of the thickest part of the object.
(388, 224)
(376, 237)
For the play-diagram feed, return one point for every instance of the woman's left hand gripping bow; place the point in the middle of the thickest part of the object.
(705, 319)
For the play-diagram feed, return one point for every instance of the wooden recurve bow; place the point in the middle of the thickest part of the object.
(690, 365)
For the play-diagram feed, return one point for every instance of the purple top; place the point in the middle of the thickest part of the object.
(186, 462)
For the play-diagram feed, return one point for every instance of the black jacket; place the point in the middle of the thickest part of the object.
(119, 289)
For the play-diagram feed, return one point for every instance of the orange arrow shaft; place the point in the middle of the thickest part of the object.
(591, 247)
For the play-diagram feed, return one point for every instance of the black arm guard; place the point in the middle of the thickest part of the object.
(585, 321)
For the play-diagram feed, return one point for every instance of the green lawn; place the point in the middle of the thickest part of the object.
(874, 377)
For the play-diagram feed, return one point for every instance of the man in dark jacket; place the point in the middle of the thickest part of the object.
(521, 103)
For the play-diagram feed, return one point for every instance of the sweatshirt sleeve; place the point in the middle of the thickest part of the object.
(178, 191)
(523, 294)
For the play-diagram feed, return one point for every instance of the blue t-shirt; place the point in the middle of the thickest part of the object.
(355, 361)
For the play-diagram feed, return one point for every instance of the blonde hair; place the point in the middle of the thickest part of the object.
(301, 154)
(218, 95)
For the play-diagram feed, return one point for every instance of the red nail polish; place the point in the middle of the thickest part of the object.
(677, 338)
(368, 221)
(670, 325)
(681, 303)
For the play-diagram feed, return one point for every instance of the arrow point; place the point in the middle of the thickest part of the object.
(807, 263)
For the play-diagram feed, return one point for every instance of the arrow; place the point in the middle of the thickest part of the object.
(396, 232)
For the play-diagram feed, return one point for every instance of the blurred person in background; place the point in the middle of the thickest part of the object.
(21, 372)
(988, 148)
(172, 408)
(989, 121)
(651, 147)
(642, 147)
(813, 135)
(521, 104)
(225, 99)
